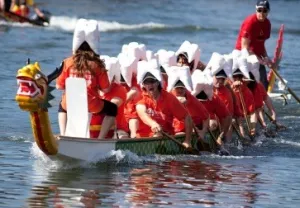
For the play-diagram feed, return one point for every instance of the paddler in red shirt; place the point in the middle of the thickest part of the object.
(260, 95)
(85, 63)
(203, 91)
(254, 31)
(128, 59)
(221, 69)
(242, 93)
(180, 85)
(158, 108)
(117, 95)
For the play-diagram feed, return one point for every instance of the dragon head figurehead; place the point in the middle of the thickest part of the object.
(33, 92)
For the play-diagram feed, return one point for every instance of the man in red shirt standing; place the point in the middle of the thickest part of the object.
(254, 31)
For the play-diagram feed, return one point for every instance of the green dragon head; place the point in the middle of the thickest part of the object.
(34, 90)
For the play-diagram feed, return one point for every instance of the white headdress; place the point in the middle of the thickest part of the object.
(216, 63)
(202, 81)
(192, 51)
(128, 66)
(253, 66)
(240, 63)
(166, 58)
(177, 73)
(148, 66)
(86, 30)
(113, 69)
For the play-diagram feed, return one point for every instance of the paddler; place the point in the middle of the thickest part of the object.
(180, 85)
(221, 68)
(158, 108)
(220, 117)
(128, 60)
(242, 93)
(254, 31)
(117, 95)
(261, 97)
(85, 63)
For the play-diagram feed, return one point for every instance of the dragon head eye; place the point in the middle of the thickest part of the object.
(37, 76)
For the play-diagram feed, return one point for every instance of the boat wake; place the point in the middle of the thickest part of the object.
(291, 143)
(15, 24)
(68, 24)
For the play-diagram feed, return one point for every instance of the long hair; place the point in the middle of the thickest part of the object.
(82, 58)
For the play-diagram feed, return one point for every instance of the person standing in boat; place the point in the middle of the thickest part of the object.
(180, 85)
(158, 108)
(254, 31)
(85, 63)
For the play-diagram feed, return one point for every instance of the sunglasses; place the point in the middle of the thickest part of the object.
(262, 10)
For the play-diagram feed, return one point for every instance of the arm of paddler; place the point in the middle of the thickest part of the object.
(141, 111)
(130, 95)
(260, 117)
(270, 106)
(225, 124)
(253, 122)
(203, 131)
(188, 123)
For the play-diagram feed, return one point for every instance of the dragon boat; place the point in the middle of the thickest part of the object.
(33, 96)
(36, 21)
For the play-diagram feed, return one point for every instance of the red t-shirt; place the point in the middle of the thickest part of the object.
(248, 98)
(216, 107)
(257, 32)
(260, 95)
(195, 108)
(119, 91)
(129, 109)
(163, 111)
(226, 96)
(165, 81)
(94, 83)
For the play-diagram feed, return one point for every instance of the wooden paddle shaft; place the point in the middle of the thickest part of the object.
(288, 89)
(244, 110)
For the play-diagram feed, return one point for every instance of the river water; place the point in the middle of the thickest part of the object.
(263, 175)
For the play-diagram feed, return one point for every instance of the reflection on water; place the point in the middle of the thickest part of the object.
(169, 183)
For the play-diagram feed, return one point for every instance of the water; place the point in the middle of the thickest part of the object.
(264, 175)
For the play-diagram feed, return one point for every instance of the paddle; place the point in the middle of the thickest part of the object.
(240, 137)
(245, 114)
(277, 125)
(189, 150)
(283, 82)
(222, 150)
(276, 59)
